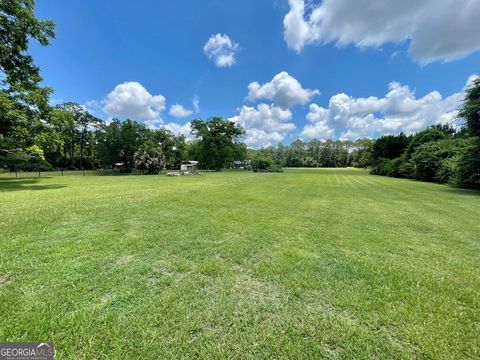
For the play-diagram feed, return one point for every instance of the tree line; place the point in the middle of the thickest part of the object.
(440, 153)
(69, 137)
(317, 153)
(37, 136)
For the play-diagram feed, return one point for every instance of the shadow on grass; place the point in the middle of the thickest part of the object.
(446, 188)
(459, 191)
(13, 184)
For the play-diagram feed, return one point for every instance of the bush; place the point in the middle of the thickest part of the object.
(423, 137)
(448, 168)
(149, 158)
(467, 170)
(406, 168)
(265, 164)
(390, 146)
(430, 160)
(275, 168)
(260, 163)
(387, 167)
(13, 160)
(38, 165)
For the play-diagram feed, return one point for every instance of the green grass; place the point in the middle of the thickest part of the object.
(302, 264)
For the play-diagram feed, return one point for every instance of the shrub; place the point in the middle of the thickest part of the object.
(387, 167)
(423, 137)
(149, 158)
(275, 168)
(261, 163)
(470, 110)
(36, 164)
(429, 160)
(265, 164)
(390, 146)
(35, 151)
(406, 168)
(35, 160)
(467, 170)
(448, 168)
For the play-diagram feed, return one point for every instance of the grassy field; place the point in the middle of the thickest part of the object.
(302, 264)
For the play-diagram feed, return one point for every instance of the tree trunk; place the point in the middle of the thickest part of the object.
(81, 150)
(72, 148)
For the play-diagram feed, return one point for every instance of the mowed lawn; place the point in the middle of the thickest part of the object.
(327, 263)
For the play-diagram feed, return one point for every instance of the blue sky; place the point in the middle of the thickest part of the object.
(159, 47)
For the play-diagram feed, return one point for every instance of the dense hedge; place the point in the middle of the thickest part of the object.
(439, 153)
(451, 159)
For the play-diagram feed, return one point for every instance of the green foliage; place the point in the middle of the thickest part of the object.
(390, 146)
(36, 151)
(149, 158)
(35, 163)
(30, 159)
(217, 145)
(13, 159)
(173, 147)
(406, 167)
(24, 108)
(435, 154)
(447, 129)
(264, 164)
(10, 115)
(425, 136)
(430, 160)
(20, 77)
(18, 25)
(118, 141)
(467, 172)
(470, 111)
(109, 143)
(261, 163)
(388, 167)
(362, 155)
(133, 135)
(316, 153)
(74, 124)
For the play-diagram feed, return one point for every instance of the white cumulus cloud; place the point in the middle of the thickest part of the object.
(179, 129)
(221, 49)
(179, 111)
(131, 100)
(283, 90)
(436, 29)
(318, 127)
(264, 125)
(398, 111)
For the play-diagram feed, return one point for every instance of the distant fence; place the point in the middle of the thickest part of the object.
(29, 174)
(55, 173)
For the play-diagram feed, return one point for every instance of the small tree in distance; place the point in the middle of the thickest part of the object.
(149, 158)
(470, 110)
(217, 142)
(468, 172)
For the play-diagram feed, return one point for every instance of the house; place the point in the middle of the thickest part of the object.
(189, 166)
(241, 164)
